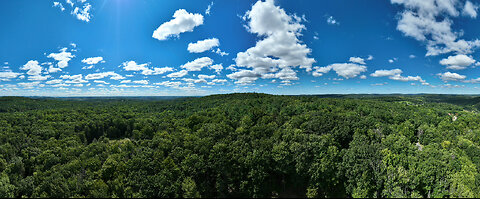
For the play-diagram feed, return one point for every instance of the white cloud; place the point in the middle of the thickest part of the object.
(429, 21)
(398, 77)
(182, 22)
(411, 56)
(457, 62)
(83, 14)
(286, 74)
(232, 67)
(346, 70)
(279, 48)
(392, 60)
(112, 75)
(55, 81)
(169, 84)
(33, 67)
(207, 11)
(71, 76)
(60, 85)
(70, 2)
(178, 74)
(125, 81)
(157, 71)
(28, 85)
(79, 8)
(74, 79)
(38, 77)
(470, 9)
(244, 77)
(63, 57)
(5, 76)
(217, 67)
(448, 76)
(221, 81)
(396, 74)
(100, 82)
(363, 77)
(52, 69)
(206, 76)
(133, 66)
(93, 60)
(140, 82)
(203, 45)
(386, 73)
(357, 60)
(332, 21)
(198, 64)
(59, 5)
(220, 52)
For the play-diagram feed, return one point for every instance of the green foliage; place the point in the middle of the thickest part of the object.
(241, 145)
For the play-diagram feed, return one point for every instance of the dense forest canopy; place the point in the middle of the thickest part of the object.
(241, 145)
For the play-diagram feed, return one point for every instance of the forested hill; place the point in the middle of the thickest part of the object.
(241, 145)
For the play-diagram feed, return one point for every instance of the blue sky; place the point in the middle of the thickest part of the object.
(149, 47)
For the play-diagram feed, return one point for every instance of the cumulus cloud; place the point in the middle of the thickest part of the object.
(357, 60)
(203, 45)
(7, 75)
(140, 82)
(178, 74)
(279, 48)
(220, 52)
(182, 22)
(28, 85)
(396, 74)
(60, 85)
(398, 77)
(38, 77)
(133, 66)
(206, 76)
(73, 79)
(157, 71)
(346, 70)
(457, 62)
(102, 75)
(83, 14)
(33, 68)
(244, 76)
(198, 64)
(169, 84)
(217, 67)
(470, 9)
(189, 86)
(52, 69)
(100, 82)
(448, 76)
(429, 21)
(63, 57)
(386, 73)
(221, 81)
(80, 9)
(93, 60)
(55, 81)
